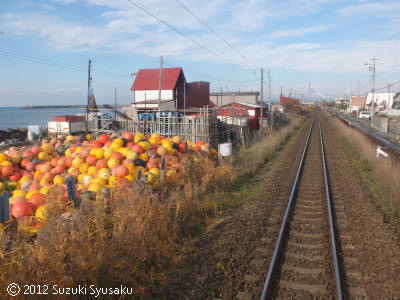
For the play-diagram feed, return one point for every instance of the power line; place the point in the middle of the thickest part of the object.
(389, 85)
(56, 64)
(33, 37)
(185, 35)
(41, 61)
(214, 78)
(216, 33)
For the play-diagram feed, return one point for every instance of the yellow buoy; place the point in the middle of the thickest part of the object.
(95, 188)
(41, 213)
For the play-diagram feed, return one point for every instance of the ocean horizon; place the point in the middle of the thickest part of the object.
(19, 117)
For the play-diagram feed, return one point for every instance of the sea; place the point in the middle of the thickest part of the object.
(18, 117)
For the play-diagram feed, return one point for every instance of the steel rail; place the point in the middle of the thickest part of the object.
(330, 219)
(266, 292)
(272, 266)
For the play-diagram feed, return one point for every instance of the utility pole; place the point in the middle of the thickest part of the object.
(88, 94)
(262, 97)
(115, 106)
(309, 91)
(184, 96)
(372, 68)
(222, 102)
(160, 84)
(351, 95)
(269, 99)
(358, 88)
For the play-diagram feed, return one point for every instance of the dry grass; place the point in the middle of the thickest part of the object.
(136, 240)
(380, 175)
(248, 160)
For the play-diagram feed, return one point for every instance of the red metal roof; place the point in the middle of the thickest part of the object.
(149, 79)
(233, 109)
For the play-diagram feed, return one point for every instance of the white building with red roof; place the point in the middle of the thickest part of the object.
(176, 93)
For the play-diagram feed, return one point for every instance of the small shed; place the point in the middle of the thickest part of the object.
(241, 111)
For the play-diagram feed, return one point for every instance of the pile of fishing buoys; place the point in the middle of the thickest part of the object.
(32, 173)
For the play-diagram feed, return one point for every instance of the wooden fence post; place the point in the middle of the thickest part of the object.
(1, 209)
(162, 175)
(139, 174)
(70, 182)
(106, 194)
(4, 207)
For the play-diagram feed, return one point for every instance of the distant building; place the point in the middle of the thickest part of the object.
(239, 112)
(224, 98)
(357, 103)
(176, 93)
(381, 100)
(396, 101)
(342, 101)
(277, 107)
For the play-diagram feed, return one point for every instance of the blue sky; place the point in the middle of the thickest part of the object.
(322, 41)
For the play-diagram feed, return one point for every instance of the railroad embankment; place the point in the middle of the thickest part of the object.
(378, 175)
(232, 258)
(361, 184)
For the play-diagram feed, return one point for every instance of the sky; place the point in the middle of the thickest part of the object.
(45, 46)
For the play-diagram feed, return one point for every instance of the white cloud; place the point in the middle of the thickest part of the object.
(61, 34)
(371, 8)
(122, 28)
(66, 1)
(300, 31)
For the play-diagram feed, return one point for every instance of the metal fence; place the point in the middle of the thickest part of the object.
(394, 127)
(205, 124)
(200, 124)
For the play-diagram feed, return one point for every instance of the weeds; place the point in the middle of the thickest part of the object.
(379, 175)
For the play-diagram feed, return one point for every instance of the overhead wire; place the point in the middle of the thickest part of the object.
(41, 60)
(186, 36)
(216, 33)
(215, 78)
(33, 37)
(387, 86)
(52, 63)
(57, 64)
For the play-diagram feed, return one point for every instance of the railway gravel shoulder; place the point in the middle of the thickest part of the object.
(221, 259)
(370, 248)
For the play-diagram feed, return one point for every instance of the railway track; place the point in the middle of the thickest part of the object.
(304, 264)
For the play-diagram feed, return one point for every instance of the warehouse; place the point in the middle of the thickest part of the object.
(234, 97)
